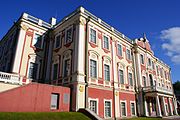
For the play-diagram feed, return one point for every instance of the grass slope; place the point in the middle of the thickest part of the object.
(42, 116)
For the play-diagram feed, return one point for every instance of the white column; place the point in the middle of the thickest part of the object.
(170, 107)
(146, 108)
(158, 107)
(164, 107)
(175, 106)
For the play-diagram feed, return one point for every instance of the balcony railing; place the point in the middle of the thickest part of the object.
(157, 89)
(12, 78)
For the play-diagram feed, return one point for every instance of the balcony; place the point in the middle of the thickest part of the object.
(157, 89)
(12, 78)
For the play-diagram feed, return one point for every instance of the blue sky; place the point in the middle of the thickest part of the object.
(159, 19)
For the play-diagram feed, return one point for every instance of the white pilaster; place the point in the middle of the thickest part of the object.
(146, 107)
(164, 107)
(158, 107)
(170, 107)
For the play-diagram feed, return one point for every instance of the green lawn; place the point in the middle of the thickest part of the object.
(42, 116)
(144, 118)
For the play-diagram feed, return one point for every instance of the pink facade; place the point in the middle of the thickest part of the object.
(33, 97)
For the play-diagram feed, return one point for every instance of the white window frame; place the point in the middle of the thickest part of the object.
(123, 76)
(97, 101)
(134, 107)
(129, 53)
(90, 35)
(125, 107)
(118, 49)
(60, 45)
(142, 62)
(108, 100)
(57, 102)
(108, 42)
(109, 72)
(96, 68)
(42, 40)
(65, 41)
(129, 79)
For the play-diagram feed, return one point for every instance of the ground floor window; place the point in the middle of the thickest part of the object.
(54, 101)
(107, 109)
(93, 105)
(132, 109)
(123, 108)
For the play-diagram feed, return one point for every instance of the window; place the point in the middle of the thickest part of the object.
(121, 76)
(54, 101)
(93, 106)
(130, 79)
(33, 70)
(58, 41)
(106, 73)
(144, 81)
(132, 109)
(157, 70)
(142, 59)
(37, 41)
(119, 50)
(93, 69)
(107, 109)
(55, 72)
(68, 35)
(93, 35)
(149, 61)
(106, 42)
(153, 65)
(123, 108)
(128, 52)
(66, 67)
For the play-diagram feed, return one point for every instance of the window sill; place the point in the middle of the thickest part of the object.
(106, 50)
(93, 45)
(68, 44)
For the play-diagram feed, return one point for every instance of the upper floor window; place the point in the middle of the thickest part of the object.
(119, 50)
(142, 58)
(55, 71)
(92, 36)
(66, 67)
(107, 109)
(144, 80)
(69, 35)
(33, 70)
(157, 70)
(58, 41)
(93, 69)
(106, 72)
(106, 42)
(130, 79)
(128, 54)
(37, 41)
(121, 77)
(149, 61)
(153, 65)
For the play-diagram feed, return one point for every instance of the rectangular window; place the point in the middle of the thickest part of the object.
(144, 81)
(55, 72)
(68, 35)
(119, 50)
(157, 70)
(93, 106)
(132, 109)
(93, 35)
(107, 109)
(106, 42)
(93, 69)
(66, 67)
(130, 79)
(54, 101)
(121, 76)
(142, 59)
(33, 70)
(152, 65)
(149, 61)
(123, 108)
(128, 52)
(37, 41)
(58, 41)
(106, 72)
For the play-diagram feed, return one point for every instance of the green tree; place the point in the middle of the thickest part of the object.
(176, 86)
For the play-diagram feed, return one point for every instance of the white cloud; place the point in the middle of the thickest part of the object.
(171, 39)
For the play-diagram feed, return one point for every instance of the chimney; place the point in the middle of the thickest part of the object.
(53, 21)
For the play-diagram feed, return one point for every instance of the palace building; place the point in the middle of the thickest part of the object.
(109, 74)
